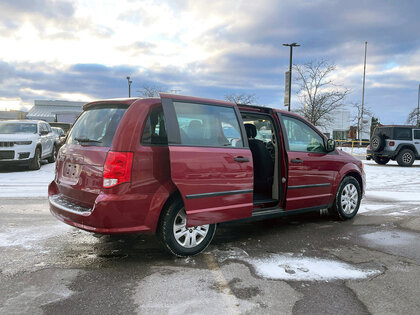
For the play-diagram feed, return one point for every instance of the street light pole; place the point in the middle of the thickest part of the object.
(418, 108)
(363, 96)
(290, 72)
(129, 85)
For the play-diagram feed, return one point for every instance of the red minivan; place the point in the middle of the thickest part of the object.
(178, 165)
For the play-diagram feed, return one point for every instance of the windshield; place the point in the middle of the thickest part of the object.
(96, 126)
(10, 128)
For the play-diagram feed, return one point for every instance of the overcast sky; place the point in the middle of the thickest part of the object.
(83, 50)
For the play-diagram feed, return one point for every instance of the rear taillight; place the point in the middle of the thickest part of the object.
(117, 168)
(391, 143)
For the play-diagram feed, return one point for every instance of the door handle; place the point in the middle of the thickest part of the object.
(296, 160)
(241, 159)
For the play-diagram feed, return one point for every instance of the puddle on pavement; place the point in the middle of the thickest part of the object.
(400, 243)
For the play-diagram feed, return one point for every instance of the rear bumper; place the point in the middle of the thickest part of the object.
(111, 214)
(384, 153)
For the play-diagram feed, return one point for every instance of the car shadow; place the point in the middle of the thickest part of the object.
(390, 165)
(18, 168)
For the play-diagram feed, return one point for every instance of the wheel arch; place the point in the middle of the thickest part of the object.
(357, 176)
(348, 170)
(410, 146)
(38, 145)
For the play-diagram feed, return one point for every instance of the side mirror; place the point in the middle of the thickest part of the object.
(330, 145)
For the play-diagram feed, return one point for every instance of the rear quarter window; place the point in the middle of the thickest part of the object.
(96, 126)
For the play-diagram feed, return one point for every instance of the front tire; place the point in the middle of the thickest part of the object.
(177, 238)
(347, 200)
(35, 163)
(405, 158)
(381, 160)
(51, 159)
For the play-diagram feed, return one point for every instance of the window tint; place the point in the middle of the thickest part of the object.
(208, 125)
(9, 128)
(402, 134)
(97, 124)
(301, 137)
(155, 130)
(416, 134)
(385, 131)
(42, 127)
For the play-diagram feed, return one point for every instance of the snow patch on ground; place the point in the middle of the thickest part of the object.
(306, 269)
(23, 183)
(30, 237)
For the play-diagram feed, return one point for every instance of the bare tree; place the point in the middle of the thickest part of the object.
(150, 91)
(241, 98)
(357, 118)
(414, 117)
(318, 94)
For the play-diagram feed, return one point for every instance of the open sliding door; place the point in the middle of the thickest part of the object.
(211, 163)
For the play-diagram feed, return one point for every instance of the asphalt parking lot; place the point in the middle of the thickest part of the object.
(296, 265)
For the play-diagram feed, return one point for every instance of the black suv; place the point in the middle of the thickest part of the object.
(400, 143)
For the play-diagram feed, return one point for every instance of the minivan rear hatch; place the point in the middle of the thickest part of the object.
(81, 160)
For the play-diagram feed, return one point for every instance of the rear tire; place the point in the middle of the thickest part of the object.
(177, 238)
(35, 163)
(51, 159)
(405, 158)
(381, 160)
(347, 200)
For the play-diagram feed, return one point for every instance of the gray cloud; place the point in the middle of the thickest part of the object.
(248, 54)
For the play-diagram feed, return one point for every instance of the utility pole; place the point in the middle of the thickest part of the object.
(288, 99)
(129, 85)
(363, 96)
(418, 108)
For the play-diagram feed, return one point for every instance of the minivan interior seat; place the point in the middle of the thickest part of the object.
(263, 163)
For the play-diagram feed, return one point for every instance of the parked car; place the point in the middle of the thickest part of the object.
(399, 143)
(65, 126)
(26, 142)
(60, 136)
(368, 155)
(166, 166)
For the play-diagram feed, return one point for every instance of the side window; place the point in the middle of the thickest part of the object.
(48, 128)
(42, 127)
(208, 125)
(402, 134)
(301, 137)
(155, 130)
(417, 134)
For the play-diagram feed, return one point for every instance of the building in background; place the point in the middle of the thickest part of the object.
(55, 111)
(12, 115)
(339, 126)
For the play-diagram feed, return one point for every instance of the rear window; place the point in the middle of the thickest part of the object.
(386, 131)
(96, 126)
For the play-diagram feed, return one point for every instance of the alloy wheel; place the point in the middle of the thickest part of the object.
(188, 237)
(349, 198)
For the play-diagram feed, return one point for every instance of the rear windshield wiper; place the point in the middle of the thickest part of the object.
(83, 140)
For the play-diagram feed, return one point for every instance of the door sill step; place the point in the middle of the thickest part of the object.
(259, 212)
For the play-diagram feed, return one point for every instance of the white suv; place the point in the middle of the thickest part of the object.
(26, 142)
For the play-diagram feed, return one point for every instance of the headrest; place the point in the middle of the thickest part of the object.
(251, 130)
